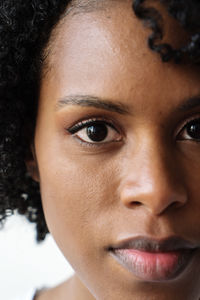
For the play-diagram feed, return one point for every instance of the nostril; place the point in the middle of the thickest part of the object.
(135, 203)
(175, 205)
(156, 198)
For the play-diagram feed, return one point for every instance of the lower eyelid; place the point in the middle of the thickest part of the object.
(85, 144)
(94, 145)
(97, 145)
(181, 127)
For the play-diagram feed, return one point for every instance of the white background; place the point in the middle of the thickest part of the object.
(24, 264)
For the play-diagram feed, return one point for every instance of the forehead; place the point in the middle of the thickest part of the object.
(95, 29)
(105, 52)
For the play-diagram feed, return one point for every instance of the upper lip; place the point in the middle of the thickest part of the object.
(147, 244)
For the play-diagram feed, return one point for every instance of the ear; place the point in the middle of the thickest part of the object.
(32, 165)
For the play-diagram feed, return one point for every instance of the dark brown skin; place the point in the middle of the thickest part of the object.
(143, 181)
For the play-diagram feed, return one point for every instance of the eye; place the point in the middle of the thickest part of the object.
(95, 132)
(191, 131)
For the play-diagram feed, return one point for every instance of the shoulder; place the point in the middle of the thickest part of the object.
(60, 291)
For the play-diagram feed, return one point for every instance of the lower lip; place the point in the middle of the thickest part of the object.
(149, 266)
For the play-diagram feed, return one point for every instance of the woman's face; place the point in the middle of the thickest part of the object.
(118, 153)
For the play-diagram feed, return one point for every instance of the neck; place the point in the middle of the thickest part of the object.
(71, 289)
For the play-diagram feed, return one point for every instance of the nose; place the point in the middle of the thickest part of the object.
(152, 179)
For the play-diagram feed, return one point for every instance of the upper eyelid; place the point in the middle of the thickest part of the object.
(87, 121)
(186, 122)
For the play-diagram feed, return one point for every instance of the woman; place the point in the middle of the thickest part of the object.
(105, 127)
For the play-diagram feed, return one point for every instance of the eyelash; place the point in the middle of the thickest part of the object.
(94, 121)
(91, 122)
(184, 127)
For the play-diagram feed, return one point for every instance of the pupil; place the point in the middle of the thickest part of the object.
(194, 129)
(97, 133)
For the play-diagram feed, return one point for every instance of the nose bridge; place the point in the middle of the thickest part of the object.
(152, 178)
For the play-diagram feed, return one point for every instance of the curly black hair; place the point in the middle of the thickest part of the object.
(25, 30)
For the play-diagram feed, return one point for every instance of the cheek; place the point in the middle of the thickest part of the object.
(77, 198)
(188, 163)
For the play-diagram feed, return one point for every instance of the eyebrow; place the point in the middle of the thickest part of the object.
(117, 107)
(188, 104)
(93, 101)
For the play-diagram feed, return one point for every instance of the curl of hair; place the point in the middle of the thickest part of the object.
(186, 12)
(25, 28)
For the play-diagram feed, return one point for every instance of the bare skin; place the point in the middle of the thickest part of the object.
(142, 180)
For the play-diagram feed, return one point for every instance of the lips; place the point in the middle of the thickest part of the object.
(154, 260)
